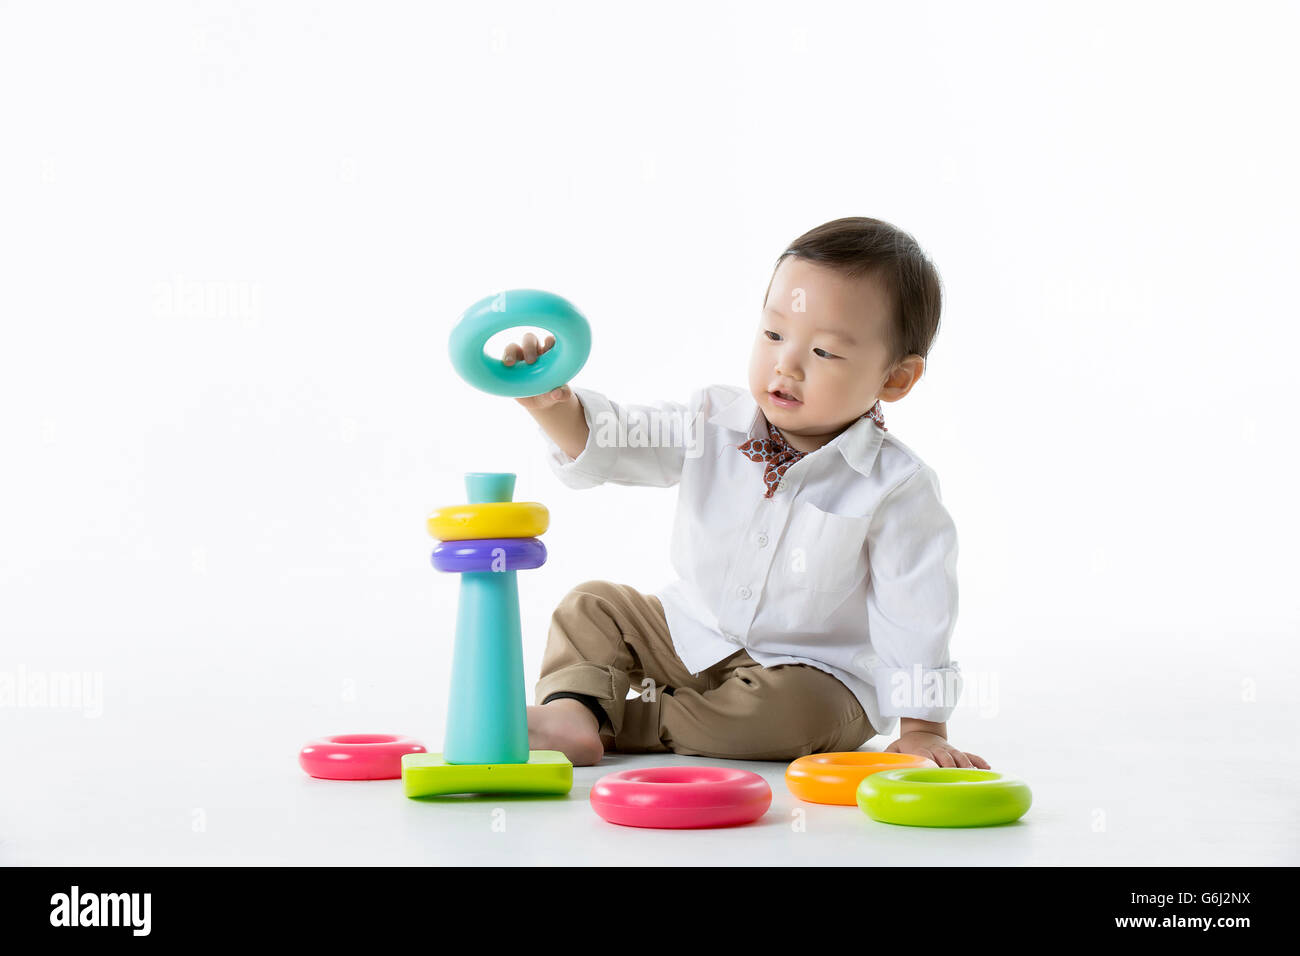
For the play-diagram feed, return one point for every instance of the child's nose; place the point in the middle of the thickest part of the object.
(789, 369)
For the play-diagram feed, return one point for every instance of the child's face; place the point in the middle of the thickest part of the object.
(821, 338)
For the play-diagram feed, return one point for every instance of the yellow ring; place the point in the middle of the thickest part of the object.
(496, 519)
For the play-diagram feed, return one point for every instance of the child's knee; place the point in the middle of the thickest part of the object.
(589, 590)
(595, 586)
(584, 601)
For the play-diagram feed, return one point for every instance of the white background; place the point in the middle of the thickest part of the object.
(234, 238)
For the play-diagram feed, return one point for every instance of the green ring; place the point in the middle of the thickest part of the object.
(943, 797)
(506, 310)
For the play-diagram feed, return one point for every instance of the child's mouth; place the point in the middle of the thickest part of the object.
(784, 400)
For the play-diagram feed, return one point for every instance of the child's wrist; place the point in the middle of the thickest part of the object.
(914, 725)
(566, 424)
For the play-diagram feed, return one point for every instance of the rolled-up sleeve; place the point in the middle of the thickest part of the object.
(912, 602)
(628, 444)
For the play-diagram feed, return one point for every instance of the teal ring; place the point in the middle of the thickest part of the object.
(943, 797)
(510, 309)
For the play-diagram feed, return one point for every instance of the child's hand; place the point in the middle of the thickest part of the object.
(529, 351)
(937, 748)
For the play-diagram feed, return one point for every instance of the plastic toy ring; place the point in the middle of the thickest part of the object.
(833, 778)
(681, 797)
(494, 519)
(510, 309)
(943, 797)
(357, 756)
(490, 554)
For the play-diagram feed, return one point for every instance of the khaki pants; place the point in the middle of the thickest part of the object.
(607, 637)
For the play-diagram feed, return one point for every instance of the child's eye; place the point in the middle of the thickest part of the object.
(776, 337)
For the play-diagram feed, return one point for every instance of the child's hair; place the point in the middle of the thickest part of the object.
(857, 246)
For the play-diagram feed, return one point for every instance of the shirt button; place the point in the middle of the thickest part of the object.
(744, 592)
(762, 541)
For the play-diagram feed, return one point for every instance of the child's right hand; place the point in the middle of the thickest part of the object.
(528, 351)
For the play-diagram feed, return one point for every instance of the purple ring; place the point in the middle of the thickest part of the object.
(490, 554)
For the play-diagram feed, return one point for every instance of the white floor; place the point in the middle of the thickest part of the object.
(1171, 765)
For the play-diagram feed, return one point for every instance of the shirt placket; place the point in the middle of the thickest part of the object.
(750, 567)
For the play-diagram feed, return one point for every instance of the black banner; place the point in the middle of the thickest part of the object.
(332, 905)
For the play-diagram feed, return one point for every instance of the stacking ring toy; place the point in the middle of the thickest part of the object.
(507, 310)
(681, 797)
(943, 797)
(357, 756)
(833, 778)
(494, 519)
(490, 554)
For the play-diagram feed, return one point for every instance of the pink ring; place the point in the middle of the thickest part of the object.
(357, 756)
(681, 797)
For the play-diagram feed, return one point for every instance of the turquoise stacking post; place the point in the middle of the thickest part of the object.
(487, 541)
(487, 720)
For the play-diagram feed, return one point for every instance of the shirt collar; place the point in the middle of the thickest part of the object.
(859, 443)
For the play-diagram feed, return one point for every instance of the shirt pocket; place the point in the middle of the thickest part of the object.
(825, 551)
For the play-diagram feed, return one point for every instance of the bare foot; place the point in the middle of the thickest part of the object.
(569, 727)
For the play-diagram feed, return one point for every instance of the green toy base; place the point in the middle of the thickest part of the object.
(428, 775)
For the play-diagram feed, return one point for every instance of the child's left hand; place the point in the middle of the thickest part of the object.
(937, 748)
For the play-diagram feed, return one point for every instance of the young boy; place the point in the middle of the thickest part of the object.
(817, 564)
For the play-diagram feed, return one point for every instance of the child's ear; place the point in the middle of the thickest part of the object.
(902, 377)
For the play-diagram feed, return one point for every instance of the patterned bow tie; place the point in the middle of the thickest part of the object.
(779, 456)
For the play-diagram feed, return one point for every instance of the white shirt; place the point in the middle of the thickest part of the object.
(850, 567)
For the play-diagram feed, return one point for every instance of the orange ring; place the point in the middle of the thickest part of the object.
(833, 778)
